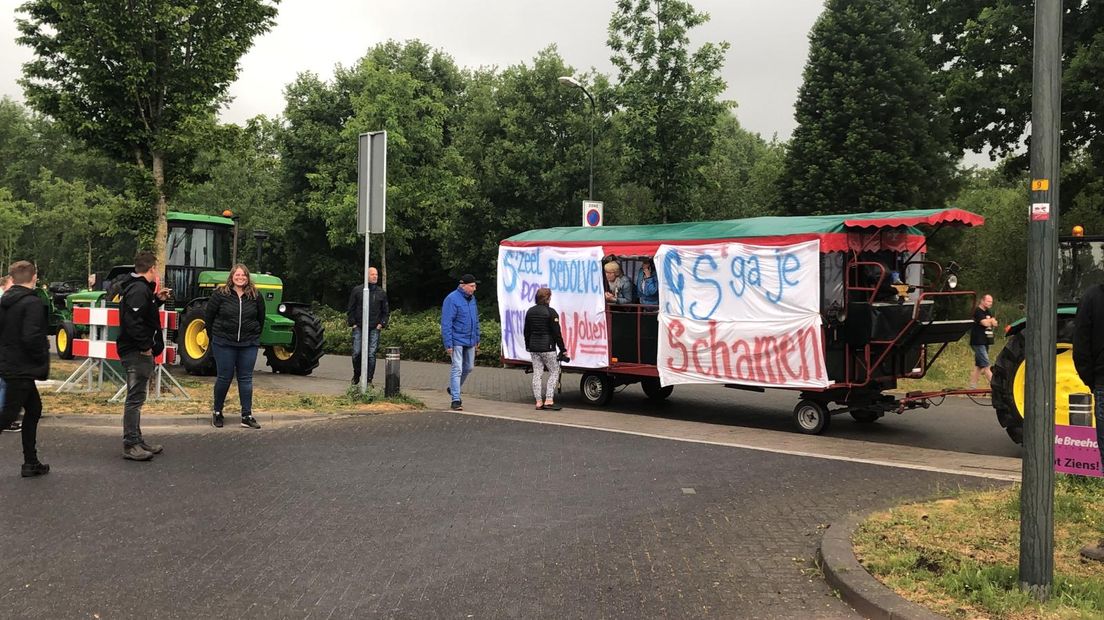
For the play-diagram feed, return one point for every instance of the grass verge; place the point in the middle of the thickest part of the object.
(264, 400)
(960, 557)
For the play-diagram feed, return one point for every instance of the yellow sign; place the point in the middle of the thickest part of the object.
(1040, 185)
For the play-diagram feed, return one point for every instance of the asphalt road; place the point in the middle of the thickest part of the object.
(425, 515)
(958, 425)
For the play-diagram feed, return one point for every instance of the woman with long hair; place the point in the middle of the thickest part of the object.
(542, 339)
(235, 315)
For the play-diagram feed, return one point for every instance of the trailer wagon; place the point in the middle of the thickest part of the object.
(836, 307)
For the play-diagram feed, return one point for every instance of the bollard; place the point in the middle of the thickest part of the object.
(391, 385)
(1080, 409)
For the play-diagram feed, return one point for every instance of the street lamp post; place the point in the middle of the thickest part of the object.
(567, 80)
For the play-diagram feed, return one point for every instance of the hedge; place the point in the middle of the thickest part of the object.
(418, 334)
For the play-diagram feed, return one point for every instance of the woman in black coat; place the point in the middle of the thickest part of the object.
(235, 315)
(542, 338)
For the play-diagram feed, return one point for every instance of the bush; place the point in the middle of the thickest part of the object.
(418, 334)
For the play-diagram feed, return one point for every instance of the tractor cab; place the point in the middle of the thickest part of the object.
(1080, 265)
(196, 243)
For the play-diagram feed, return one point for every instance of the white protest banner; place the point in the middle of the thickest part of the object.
(575, 277)
(738, 313)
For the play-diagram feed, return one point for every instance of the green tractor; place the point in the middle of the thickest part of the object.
(1080, 266)
(199, 260)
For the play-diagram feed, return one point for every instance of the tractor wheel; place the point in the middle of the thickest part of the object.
(597, 388)
(63, 340)
(302, 355)
(195, 348)
(811, 417)
(1009, 379)
(653, 390)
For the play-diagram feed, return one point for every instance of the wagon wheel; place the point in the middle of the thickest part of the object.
(811, 417)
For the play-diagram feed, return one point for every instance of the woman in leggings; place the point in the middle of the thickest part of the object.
(542, 339)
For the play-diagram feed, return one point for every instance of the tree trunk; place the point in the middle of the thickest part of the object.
(161, 234)
(383, 263)
(88, 272)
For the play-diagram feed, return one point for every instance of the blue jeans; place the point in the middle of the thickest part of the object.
(463, 359)
(373, 348)
(231, 360)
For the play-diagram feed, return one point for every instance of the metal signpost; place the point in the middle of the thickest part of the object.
(371, 216)
(1037, 491)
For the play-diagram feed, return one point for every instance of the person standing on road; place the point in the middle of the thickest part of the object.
(378, 313)
(24, 357)
(460, 333)
(1088, 360)
(139, 342)
(16, 425)
(981, 336)
(235, 316)
(542, 340)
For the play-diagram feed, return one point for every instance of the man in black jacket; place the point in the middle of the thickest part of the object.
(378, 313)
(1088, 359)
(139, 342)
(24, 357)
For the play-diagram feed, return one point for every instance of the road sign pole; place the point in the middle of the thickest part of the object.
(371, 218)
(1037, 490)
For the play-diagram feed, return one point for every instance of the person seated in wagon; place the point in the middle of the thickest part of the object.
(620, 287)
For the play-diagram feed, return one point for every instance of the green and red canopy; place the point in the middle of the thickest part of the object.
(894, 230)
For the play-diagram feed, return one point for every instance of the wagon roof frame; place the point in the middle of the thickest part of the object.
(837, 233)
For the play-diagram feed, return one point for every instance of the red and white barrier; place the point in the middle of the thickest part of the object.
(109, 317)
(98, 348)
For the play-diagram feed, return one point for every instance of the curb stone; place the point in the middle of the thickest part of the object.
(856, 586)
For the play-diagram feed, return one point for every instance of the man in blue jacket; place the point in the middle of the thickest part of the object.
(460, 332)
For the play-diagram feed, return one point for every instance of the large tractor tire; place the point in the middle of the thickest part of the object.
(1009, 379)
(63, 340)
(195, 348)
(302, 355)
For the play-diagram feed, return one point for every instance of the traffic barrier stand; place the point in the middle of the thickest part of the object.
(99, 350)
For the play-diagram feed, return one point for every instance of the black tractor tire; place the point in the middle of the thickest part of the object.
(302, 355)
(812, 417)
(1002, 386)
(597, 388)
(193, 344)
(653, 390)
(63, 340)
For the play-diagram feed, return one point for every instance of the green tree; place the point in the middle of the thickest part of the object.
(14, 216)
(668, 98)
(740, 175)
(526, 139)
(138, 78)
(869, 135)
(980, 54)
(72, 219)
(411, 91)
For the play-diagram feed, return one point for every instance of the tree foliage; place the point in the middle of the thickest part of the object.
(668, 98)
(137, 79)
(869, 134)
(981, 56)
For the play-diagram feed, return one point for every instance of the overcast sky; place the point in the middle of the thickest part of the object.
(769, 42)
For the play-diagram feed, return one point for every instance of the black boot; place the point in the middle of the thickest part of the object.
(34, 469)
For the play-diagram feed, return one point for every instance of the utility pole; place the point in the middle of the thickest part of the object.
(1037, 490)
